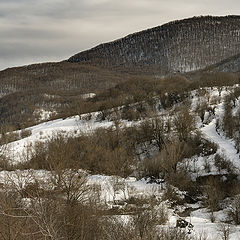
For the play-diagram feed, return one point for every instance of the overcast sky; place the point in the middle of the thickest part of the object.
(52, 30)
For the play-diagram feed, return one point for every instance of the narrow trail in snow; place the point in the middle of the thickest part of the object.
(226, 147)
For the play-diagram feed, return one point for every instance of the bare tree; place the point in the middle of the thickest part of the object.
(234, 210)
(159, 135)
(201, 108)
(169, 157)
(184, 123)
(224, 230)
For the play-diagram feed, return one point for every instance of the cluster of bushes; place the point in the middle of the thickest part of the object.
(64, 206)
(154, 148)
(18, 106)
(105, 151)
(115, 150)
(217, 189)
(213, 79)
(51, 218)
(139, 95)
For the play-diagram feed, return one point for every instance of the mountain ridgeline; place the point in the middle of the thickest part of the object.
(178, 46)
(128, 70)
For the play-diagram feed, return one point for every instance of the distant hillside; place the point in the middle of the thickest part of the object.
(231, 64)
(124, 70)
(178, 46)
(57, 76)
(50, 87)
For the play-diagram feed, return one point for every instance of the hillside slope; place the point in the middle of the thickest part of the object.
(184, 45)
(179, 46)
(231, 64)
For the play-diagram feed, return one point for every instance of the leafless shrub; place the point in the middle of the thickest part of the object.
(207, 166)
(201, 108)
(228, 120)
(170, 156)
(145, 223)
(222, 163)
(234, 210)
(202, 236)
(17, 181)
(150, 167)
(213, 193)
(224, 230)
(172, 195)
(25, 133)
(184, 123)
(212, 217)
(173, 234)
(208, 147)
(182, 180)
(71, 184)
(13, 218)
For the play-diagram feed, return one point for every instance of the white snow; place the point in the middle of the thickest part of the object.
(88, 95)
(44, 115)
(113, 188)
(226, 147)
(44, 131)
(202, 224)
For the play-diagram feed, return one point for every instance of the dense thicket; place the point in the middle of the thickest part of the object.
(20, 108)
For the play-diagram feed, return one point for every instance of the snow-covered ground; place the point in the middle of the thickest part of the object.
(226, 146)
(110, 190)
(42, 132)
(202, 224)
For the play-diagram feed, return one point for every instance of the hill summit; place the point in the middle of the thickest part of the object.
(179, 46)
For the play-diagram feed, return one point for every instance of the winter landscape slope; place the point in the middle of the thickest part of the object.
(160, 155)
(178, 46)
(231, 64)
(131, 187)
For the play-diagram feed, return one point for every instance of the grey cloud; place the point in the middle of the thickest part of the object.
(42, 30)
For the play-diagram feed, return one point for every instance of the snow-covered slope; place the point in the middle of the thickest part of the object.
(86, 123)
(42, 132)
(131, 187)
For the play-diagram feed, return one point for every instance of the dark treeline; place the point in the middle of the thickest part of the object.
(178, 46)
(19, 108)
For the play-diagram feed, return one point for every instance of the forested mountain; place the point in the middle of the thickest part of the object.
(125, 141)
(115, 71)
(178, 46)
(57, 76)
(231, 64)
(49, 86)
